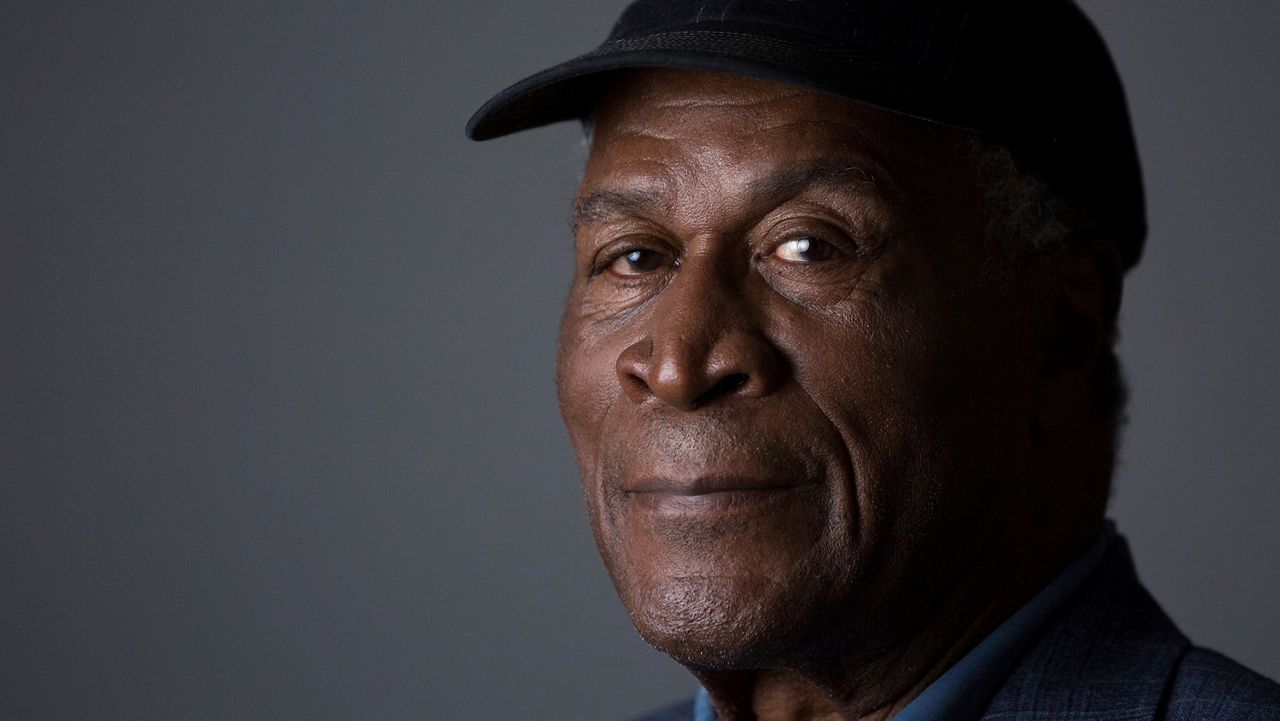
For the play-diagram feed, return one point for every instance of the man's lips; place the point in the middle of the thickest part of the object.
(706, 484)
(705, 494)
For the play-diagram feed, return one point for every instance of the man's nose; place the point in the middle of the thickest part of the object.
(703, 345)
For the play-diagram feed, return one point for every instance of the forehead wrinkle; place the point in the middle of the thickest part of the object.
(732, 99)
(851, 128)
(635, 129)
(843, 148)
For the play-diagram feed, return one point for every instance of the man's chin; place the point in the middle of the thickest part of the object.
(728, 587)
(715, 624)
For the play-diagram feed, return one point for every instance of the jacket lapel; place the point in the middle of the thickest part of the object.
(1108, 653)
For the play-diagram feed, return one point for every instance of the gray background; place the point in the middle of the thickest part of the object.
(278, 437)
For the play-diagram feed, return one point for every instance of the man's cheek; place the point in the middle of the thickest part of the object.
(581, 389)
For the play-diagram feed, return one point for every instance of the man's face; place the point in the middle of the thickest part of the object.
(800, 406)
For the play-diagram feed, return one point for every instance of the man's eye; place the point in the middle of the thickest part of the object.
(806, 249)
(637, 262)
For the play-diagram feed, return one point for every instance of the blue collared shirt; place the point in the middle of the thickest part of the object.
(963, 691)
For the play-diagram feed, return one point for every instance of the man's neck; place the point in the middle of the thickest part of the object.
(880, 687)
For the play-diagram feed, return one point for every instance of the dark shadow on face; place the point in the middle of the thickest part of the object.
(800, 408)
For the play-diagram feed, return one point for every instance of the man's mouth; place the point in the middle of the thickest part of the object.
(714, 493)
(706, 484)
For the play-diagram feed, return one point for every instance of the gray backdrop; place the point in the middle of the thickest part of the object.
(278, 437)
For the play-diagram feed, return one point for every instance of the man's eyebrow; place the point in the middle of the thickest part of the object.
(601, 205)
(839, 174)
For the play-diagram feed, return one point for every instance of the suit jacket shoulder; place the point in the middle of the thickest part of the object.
(1209, 685)
(1112, 653)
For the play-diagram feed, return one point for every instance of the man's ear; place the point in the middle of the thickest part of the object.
(1085, 279)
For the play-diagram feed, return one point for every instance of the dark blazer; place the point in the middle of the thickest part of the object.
(1111, 654)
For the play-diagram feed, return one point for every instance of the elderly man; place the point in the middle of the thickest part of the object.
(837, 359)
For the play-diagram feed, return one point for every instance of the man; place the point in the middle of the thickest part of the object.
(837, 359)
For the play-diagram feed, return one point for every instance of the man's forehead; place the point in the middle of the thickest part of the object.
(657, 129)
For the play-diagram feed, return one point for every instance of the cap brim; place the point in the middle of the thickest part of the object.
(569, 90)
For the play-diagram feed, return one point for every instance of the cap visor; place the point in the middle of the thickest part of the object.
(569, 90)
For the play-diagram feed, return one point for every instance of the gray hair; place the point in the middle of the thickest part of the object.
(1026, 216)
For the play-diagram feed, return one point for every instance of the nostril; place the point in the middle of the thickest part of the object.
(634, 386)
(722, 387)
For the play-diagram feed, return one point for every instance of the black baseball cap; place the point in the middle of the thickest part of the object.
(1031, 75)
